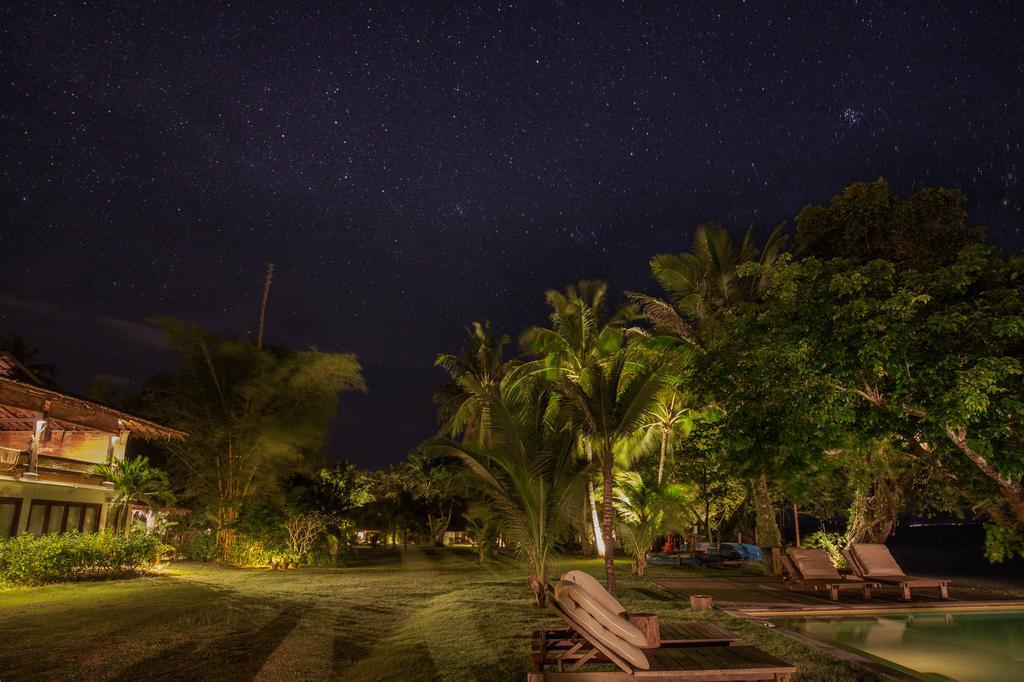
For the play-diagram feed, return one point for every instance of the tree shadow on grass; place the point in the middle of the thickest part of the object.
(238, 656)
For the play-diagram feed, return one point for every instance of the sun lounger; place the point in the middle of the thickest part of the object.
(875, 562)
(811, 568)
(602, 636)
(697, 633)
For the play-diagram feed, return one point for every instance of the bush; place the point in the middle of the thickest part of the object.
(249, 551)
(833, 543)
(31, 560)
(201, 546)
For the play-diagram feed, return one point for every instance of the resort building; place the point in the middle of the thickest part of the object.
(50, 444)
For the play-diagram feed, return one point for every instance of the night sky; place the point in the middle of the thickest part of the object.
(409, 170)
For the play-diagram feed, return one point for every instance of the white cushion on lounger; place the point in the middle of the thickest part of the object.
(596, 590)
(566, 594)
(813, 564)
(876, 560)
(618, 625)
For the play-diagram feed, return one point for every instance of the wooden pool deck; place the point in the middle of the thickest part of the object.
(767, 596)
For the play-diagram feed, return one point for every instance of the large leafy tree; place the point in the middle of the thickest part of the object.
(529, 473)
(930, 361)
(252, 414)
(869, 222)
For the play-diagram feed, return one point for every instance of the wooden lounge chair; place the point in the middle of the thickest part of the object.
(811, 568)
(875, 562)
(596, 642)
(668, 634)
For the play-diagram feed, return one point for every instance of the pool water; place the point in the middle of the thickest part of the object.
(973, 647)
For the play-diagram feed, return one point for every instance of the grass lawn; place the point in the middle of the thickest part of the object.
(423, 614)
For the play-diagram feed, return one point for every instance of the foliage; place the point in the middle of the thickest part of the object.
(528, 473)
(833, 543)
(252, 414)
(868, 222)
(135, 482)
(59, 557)
(248, 552)
(461, 403)
(482, 529)
(200, 547)
(647, 509)
(303, 530)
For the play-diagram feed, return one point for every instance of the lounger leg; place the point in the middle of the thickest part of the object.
(904, 592)
(944, 590)
(867, 591)
(833, 593)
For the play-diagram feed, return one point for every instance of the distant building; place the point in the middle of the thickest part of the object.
(50, 444)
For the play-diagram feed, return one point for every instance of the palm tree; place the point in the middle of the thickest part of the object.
(582, 332)
(703, 286)
(476, 368)
(433, 479)
(610, 401)
(646, 510)
(706, 282)
(529, 473)
(135, 481)
(25, 352)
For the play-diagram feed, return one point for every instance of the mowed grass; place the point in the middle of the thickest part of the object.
(422, 614)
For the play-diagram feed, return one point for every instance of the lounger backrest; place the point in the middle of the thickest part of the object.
(852, 561)
(596, 590)
(593, 625)
(876, 560)
(813, 564)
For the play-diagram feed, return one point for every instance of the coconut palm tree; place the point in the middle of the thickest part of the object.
(529, 473)
(647, 509)
(610, 400)
(478, 367)
(583, 331)
(135, 481)
(706, 282)
(703, 285)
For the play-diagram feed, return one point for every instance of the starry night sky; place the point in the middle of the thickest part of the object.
(411, 169)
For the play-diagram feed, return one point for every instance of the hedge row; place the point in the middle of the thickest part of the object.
(31, 560)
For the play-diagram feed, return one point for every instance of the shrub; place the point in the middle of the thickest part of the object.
(201, 546)
(249, 551)
(833, 543)
(31, 560)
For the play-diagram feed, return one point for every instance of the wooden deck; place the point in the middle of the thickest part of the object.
(766, 594)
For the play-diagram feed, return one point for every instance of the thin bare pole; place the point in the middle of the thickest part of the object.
(263, 303)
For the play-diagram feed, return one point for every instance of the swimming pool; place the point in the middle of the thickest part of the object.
(967, 646)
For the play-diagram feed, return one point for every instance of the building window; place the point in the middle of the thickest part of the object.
(10, 514)
(58, 517)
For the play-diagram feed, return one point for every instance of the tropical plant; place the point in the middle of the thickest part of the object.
(253, 414)
(609, 401)
(482, 529)
(583, 331)
(647, 509)
(433, 478)
(476, 369)
(135, 482)
(529, 474)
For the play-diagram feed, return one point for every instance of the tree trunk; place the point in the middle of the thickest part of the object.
(606, 524)
(767, 529)
(796, 524)
(664, 449)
